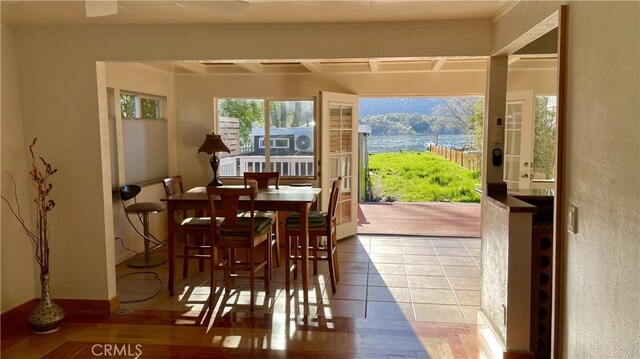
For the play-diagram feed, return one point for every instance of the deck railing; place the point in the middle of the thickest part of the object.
(286, 165)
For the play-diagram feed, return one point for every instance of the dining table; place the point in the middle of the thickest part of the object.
(285, 198)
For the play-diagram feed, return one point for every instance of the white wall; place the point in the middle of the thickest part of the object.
(603, 180)
(17, 257)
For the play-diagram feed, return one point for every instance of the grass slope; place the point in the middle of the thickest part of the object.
(422, 177)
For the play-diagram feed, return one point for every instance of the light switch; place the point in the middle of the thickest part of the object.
(572, 220)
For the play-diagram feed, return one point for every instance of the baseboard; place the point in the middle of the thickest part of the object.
(492, 338)
(88, 307)
(518, 355)
(71, 307)
(13, 323)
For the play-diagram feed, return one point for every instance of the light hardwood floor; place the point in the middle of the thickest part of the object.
(399, 297)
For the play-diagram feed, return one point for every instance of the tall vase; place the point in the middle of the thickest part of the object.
(47, 316)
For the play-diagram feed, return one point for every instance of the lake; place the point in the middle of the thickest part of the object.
(415, 143)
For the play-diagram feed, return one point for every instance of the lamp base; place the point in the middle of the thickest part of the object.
(215, 182)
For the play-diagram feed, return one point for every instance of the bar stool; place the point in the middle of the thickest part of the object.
(142, 210)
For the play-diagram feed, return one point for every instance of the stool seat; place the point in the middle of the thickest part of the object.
(145, 207)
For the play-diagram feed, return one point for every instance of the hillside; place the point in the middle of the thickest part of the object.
(381, 106)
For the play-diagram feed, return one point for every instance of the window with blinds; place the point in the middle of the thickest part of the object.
(144, 149)
(144, 137)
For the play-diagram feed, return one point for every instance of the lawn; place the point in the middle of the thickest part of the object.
(421, 177)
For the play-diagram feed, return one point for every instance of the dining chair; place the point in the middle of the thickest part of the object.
(247, 230)
(263, 179)
(321, 224)
(193, 230)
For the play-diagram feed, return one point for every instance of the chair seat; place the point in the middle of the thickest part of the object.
(316, 219)
(258, 214)
(261, 226)
(145, 207)
(200, 221)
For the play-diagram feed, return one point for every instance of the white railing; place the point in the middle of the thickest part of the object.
(286, 165)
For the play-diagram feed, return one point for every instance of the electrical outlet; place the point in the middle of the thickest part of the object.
(572, 219)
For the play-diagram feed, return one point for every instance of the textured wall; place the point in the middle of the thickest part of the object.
(603, 180)
(17, 253)
(495, 247)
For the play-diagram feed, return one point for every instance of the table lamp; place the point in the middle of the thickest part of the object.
(212, 144)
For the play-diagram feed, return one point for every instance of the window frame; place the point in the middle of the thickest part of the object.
(266, 101)
(161, 107)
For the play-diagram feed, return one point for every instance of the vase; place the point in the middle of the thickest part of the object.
(47, 316)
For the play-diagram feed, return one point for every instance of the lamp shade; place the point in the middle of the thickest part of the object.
(212, 144)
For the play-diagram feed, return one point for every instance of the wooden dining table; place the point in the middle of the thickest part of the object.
(285, 198)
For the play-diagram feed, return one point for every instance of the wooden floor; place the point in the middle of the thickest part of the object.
(399, 297)
(426, 219)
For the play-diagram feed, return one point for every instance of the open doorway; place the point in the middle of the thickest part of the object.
(420, 165)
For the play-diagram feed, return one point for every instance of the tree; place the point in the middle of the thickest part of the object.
(544, 143)
(459, 110)
(248, 112)
(476, 123)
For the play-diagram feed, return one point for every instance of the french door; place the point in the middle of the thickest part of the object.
(339, 156)
(518, 140)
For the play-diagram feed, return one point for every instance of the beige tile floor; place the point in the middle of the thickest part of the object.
(435, 279)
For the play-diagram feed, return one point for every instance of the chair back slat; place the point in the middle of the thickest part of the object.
(230, 199)
(173, 185)
(263, 178)
(333, 201)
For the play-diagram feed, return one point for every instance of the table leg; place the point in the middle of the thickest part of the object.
(304, 243)
(171, 243)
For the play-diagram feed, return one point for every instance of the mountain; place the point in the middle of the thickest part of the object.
(410, 105)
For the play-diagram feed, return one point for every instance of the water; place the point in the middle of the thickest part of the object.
(415, 143)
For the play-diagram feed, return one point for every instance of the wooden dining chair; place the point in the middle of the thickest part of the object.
(321, 224)
(264, 179)
(248, 230)
(193, 230)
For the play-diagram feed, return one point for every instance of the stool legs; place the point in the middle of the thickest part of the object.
(148, 260)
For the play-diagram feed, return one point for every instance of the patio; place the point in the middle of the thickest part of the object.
(441, 219)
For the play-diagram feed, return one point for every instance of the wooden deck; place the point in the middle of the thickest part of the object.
(426, 219)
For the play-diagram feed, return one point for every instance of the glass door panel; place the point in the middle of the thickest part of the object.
(518, 140)
(340, 147)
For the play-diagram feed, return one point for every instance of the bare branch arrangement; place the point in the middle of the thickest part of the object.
(40, 235)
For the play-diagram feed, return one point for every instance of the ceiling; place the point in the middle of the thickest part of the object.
(27, 12)
(36, 13)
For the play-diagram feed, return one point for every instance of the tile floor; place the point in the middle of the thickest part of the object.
(410, 278)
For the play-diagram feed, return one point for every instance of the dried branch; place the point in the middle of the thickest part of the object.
(40, 236)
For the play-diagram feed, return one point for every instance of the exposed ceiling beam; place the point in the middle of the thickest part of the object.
(251, 67)
(312, 66)
(194, 67)
(512, 59)
(374, 66)
(438, 65)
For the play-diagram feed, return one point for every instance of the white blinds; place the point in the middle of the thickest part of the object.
(145, 150)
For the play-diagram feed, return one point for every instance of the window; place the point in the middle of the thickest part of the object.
(544, 139)
(139, 106)
(267, 135)
(144, 138)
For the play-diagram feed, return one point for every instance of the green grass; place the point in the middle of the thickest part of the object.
(421, 177)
